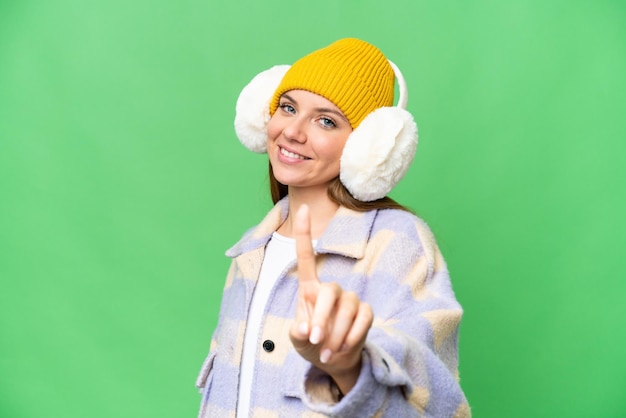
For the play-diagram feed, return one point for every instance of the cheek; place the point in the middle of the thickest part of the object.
(273, 129)
(334, 150)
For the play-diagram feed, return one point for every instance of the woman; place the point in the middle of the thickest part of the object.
(338, 303)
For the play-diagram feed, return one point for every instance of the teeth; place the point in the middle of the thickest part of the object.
(291, 154)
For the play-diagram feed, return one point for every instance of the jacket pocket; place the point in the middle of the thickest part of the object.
(293, 374)
(205, 371)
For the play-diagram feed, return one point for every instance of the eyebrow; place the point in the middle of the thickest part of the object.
(319, 109)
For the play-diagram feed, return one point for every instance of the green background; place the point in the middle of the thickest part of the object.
(122, 184)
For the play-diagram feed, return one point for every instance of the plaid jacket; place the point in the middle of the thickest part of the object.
(410, 361)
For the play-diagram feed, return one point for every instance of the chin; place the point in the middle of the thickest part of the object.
(288, 181)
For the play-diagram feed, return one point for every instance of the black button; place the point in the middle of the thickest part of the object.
(268, 345)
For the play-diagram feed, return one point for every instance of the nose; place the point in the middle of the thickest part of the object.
(295, 130)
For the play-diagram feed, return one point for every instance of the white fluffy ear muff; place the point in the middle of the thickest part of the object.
(252, 111)
(380, 150)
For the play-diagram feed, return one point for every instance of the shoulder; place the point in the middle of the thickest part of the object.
(403, 222)
(410, 231)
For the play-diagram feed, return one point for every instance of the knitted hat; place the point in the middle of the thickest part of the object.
(351, 73)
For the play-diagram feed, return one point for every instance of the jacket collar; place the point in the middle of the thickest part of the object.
(346, 234)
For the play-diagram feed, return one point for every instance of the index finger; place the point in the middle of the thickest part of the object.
(304, 247)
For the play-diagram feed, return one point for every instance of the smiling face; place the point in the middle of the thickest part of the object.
(306, 137)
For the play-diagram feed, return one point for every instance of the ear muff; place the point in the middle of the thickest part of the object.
(377, 153)
(380, 150)
(252, 111)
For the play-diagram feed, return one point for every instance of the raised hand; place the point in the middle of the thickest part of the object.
(331, 324)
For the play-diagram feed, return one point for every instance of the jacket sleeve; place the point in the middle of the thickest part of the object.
(410, 360)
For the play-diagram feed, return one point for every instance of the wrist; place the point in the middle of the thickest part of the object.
(346, 380)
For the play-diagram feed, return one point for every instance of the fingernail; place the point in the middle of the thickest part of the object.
(316, 335)
(303, 329)
(325, 355)
(343, 347)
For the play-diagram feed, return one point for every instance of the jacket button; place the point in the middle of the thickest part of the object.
(268, 345)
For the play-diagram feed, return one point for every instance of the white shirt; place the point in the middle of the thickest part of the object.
(279, 253)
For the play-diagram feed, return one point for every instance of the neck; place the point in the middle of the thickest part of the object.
(321, 210)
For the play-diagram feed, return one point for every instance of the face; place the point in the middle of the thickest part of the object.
(306, 137)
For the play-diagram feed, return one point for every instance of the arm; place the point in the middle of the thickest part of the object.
(408, 362)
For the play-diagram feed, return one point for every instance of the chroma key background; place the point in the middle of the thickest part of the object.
(122, 184)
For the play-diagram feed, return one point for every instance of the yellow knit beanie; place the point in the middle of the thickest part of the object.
(351, 73)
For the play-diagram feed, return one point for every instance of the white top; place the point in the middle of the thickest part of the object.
(280, 251)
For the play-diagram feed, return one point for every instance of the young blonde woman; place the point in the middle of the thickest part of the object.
(339, 302)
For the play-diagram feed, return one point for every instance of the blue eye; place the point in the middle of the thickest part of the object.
(287, 108)
(327, 122)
